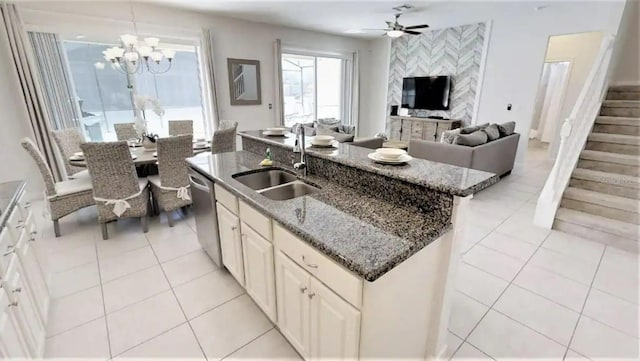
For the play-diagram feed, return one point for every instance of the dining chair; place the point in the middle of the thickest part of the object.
(180, 127)
(170, 188)
(68, 142)
(117, 190)
(125, 131)
(65, 197)
(224, 138)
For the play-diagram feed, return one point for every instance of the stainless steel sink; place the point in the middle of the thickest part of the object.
(265, 179)
(288, 191)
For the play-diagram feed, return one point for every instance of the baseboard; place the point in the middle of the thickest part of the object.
(625, 83)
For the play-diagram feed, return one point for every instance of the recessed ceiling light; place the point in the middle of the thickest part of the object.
(538, 8)
(80, 36)
(354, 31)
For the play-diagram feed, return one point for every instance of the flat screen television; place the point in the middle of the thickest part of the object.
(427, 92)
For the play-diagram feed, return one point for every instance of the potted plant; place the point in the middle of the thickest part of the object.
(141, 103)
(149, 141)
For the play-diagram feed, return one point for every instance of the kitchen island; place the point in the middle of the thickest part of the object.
(360, 268)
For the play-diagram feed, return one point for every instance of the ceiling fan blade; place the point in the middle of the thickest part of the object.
(416, 26)
(390, 23)
(411, 32)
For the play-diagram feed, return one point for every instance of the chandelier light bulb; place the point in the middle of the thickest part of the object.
(131, 56)
(145, 51)
(169, 53)
(395, 33)
(152, 42)
(129, 40)
(117, 52)
(99, 65)
(156, 56)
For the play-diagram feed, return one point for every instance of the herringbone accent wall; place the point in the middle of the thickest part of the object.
(452, 51)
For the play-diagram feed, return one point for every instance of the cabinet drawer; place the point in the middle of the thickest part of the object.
(339, 279)
(226, 198)
(256, 220)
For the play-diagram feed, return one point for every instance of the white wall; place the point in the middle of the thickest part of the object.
(16, 163)
(233, 38)
(373, 105)
(627, 52)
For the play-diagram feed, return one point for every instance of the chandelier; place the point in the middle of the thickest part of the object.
(133, 56)
(137, 56)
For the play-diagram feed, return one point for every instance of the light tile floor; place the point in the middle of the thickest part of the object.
(522, 291)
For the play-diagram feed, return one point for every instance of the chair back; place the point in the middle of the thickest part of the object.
(68, 142)
(45, 171)
(125, 131)
(111, 168)
(172, 152)
(224, 138)
(180, 127)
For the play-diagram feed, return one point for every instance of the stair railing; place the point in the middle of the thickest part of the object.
(573, 135)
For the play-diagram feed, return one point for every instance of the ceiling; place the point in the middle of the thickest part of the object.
(342, 17)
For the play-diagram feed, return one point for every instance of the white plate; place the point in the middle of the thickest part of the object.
(324, 145)
(76, 157)
(273, 134)
(133, 156)
(403, 159)
(155, 154)
(200, 145)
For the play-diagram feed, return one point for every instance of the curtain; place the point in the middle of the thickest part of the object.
(61, 106)
(351, 91)
(277, 62)
(32, 92)
(208, 80)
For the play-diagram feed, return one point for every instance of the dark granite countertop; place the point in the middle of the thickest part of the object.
(9, 192)
(365, 234)
(454, 180)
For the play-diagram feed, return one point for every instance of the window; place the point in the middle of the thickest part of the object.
(105, 94)
(313, 88)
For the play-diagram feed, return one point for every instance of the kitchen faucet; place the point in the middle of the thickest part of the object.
(300, 148)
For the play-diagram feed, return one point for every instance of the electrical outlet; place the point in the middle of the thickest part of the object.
(270, 106)
(509, 106)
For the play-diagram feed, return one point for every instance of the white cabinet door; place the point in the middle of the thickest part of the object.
(335, 325)
(292, 284)
(231, 243)
(25, 309)
(258, 270)
(34, 276)
(12, 345)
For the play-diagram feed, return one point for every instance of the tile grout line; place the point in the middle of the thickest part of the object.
(584, 304)
(243, 346)
(104, 306)
(501, 294)
(173, 292)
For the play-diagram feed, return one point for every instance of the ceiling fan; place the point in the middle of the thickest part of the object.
(395, 29)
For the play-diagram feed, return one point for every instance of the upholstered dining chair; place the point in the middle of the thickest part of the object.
(224, 138)
(65, 197)
(180, 127)
(170, 188)
(68, 142)
(125, 131)
(117, 190)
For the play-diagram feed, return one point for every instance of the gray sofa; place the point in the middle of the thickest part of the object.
(497, 156)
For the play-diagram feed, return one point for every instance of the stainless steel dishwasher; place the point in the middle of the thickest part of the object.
(204, 208)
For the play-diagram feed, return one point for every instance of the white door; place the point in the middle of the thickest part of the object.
(12, 344)
(292, 285)
(33, 273)
(258, 270)
(25, 309)
(335, 325)
(231, 243)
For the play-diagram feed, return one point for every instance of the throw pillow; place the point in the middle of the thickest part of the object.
(449, 135)
(471, 140)
(338, 136)
(333, 128)
(473, 128)
(329, 121)
(492, 131)
(506, 128)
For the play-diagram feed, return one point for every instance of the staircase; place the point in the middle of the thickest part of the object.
(602, 201)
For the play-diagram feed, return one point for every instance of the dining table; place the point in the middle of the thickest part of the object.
(145, 160)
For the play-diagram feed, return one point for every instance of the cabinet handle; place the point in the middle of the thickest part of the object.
(17, 290)
(27, 204)
(310, 265)
(311, 295)
(234, 228)
(10, 250)
(13, 304)
(303, 289)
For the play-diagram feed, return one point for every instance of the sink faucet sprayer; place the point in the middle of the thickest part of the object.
(300, 148)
